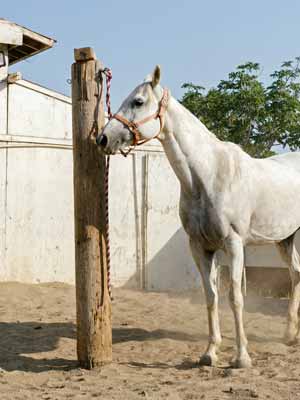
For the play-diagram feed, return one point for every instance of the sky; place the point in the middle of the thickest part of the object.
(193, 40)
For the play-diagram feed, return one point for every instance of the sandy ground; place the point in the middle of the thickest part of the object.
(157, 341)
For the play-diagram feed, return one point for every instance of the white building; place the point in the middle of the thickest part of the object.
(149, 248)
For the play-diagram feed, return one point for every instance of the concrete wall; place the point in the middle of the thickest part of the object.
(148, 245)
(3, 152)
(169, 263)
(37, 193)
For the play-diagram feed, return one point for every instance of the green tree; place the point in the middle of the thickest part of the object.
(244, 110)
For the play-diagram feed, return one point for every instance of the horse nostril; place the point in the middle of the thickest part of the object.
(102, 140)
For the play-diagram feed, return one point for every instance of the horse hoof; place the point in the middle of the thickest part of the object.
(243, 362)
(290, 340)
(208, 360)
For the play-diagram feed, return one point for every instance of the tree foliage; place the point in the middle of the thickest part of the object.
(244, 110)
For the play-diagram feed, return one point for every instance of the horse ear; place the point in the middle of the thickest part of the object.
(156, 76)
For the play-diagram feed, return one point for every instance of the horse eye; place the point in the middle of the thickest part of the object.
(138, 102)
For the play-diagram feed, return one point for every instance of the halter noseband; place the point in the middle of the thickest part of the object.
(134, 126)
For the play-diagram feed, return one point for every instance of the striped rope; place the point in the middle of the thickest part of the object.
(108, 74)
(107, 159)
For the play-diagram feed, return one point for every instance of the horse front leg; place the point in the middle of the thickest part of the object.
(235, 249)
(207, 267)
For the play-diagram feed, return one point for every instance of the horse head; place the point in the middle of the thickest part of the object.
(139, 119)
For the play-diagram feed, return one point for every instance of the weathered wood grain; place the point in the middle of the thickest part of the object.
(94, 334)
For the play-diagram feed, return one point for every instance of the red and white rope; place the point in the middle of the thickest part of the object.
(107, 226)
(107, 72)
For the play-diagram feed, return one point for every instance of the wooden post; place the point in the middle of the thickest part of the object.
(94, 333)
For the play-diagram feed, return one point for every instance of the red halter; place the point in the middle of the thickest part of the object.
(134, 126)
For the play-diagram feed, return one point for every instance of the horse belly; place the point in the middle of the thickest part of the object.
(275, 218)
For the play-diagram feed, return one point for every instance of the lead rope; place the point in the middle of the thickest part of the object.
(107, 159)
(108, 74)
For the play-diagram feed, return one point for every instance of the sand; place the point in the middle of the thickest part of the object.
(157, 337)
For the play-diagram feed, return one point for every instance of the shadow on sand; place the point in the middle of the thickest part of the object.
(20, 341)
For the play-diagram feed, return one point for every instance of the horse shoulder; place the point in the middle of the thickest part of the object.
(233, 166)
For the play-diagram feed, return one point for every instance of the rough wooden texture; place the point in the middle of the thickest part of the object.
(94, 334)
(84, 54)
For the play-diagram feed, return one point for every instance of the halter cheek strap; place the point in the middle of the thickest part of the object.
(134, 126)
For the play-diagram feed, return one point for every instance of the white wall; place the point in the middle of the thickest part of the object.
(39, 228)
(3, 154)
(40, 113)
(38, 190)
(169, 263)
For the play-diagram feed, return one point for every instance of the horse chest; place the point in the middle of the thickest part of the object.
(202, 222)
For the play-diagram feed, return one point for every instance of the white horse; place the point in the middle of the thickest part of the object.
(228, 199)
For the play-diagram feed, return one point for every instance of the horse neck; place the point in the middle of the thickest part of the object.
(190, 149)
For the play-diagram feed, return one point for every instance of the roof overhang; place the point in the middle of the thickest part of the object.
(22, 42)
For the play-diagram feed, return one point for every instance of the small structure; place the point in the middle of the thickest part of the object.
(21, 42)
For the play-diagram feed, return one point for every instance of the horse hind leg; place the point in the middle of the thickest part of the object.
(290, 256)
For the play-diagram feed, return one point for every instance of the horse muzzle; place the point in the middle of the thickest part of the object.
(102, 140)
